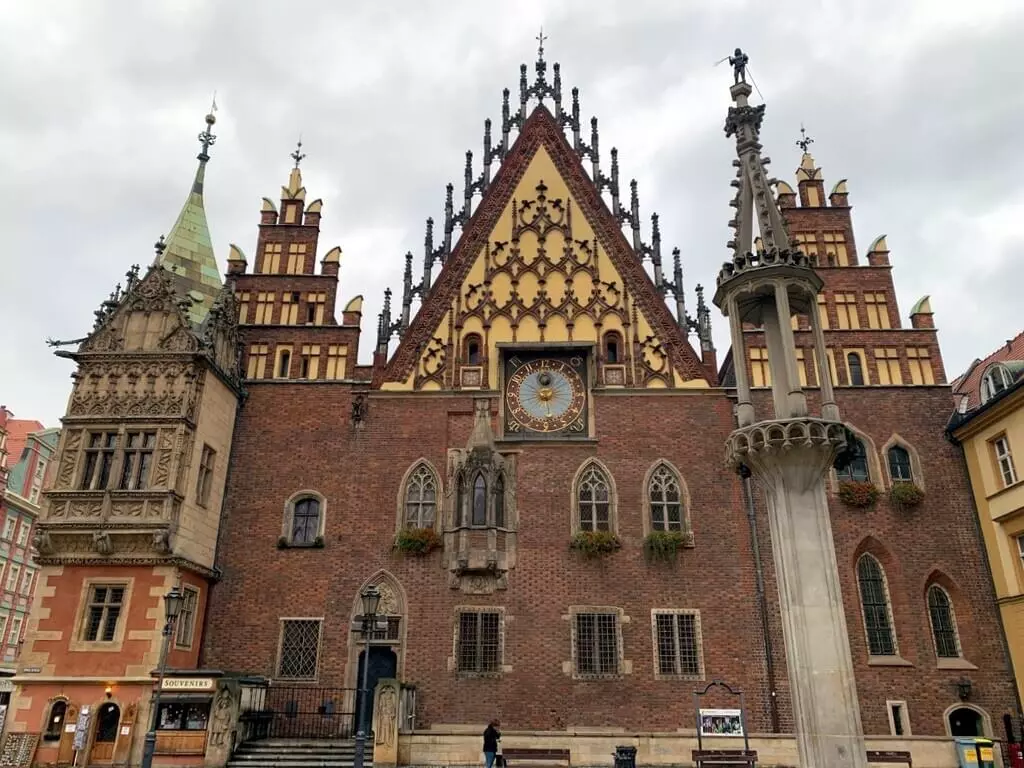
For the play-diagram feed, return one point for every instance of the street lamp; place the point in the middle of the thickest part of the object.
(371, 601)
(172, 607)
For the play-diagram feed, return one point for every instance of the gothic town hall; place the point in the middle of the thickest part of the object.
(571, 510)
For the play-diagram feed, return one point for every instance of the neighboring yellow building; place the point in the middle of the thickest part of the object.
(989, 425)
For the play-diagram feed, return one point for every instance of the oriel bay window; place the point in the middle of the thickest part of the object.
(99, 459)
(138, 456)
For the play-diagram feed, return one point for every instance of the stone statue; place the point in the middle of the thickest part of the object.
(221, 721)
(739, 66)
(387, 712)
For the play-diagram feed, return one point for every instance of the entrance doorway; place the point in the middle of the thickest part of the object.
(383, 664)
(965, 721)
(107, 720)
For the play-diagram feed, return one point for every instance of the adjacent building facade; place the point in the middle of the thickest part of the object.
(988, 424)
(533, 479)
(30, 452)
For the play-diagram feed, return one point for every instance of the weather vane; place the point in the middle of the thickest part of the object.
(540, 43)
(206, 138)
(298, 154)
(804, 141)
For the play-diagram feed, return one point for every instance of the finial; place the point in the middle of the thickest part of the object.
(804, 141)
(298, 154)
(206, 138)
(540, 44)
(160, 246)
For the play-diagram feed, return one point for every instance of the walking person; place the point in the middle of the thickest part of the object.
(491, 738)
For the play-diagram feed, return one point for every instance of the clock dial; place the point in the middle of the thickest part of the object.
(545, 395)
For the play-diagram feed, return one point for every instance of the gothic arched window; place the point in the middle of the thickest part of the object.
(899, 465)
(940, 614)
(479, 516)
(594, 500)
(874, 600)
(857, 469)
(421, 498)
(666, 500)
(612, 347)
(473, 347)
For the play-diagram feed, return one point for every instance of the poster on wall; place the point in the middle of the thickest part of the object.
(81, 727)
(721, 722)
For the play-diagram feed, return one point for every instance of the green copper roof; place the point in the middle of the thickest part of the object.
(189, 253)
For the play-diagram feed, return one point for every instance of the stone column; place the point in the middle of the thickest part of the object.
(826, 713)
(385, 722)
(744, 408)
(796, 402)
(829, 409)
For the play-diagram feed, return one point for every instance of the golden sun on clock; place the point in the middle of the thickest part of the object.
(545, 395)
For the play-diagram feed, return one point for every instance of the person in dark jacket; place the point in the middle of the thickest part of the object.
(491, 738)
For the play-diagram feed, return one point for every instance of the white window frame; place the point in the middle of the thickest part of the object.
(1004, 461)
(989, 387)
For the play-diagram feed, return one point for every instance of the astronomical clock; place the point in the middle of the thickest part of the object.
(546, 394)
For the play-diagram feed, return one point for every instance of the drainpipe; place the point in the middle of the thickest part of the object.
(762, 602)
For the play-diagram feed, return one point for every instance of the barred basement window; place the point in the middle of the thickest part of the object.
(138, 455)
(678, 643)
(300, 649)
(479, 643)
(597, 644)
(103, 612)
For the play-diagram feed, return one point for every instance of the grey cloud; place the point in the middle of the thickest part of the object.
(98, 135)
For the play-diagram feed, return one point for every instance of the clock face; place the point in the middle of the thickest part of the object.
(546, 395)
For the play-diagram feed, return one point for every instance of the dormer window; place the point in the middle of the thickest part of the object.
(995, 380)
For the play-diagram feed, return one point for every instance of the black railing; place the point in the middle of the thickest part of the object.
(294, 712)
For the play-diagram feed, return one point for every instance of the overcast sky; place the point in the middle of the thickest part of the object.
(918, 104)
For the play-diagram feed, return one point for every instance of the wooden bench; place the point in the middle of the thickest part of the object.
(735, 758)
(541, 756)
(889, 756)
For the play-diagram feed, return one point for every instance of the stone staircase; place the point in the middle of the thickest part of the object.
(299, 753)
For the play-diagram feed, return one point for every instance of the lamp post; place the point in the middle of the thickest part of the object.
(371, 600)
(172, 607)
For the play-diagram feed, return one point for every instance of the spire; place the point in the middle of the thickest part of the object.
(754, 199)
(188, 249)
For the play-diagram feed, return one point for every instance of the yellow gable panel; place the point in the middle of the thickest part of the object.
(543, 277)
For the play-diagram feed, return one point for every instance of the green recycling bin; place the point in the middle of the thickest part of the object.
(975, 752)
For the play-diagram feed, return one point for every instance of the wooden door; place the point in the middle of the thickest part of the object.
(66, 749)
(107, 721)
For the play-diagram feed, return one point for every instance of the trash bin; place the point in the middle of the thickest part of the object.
(975, 752)
(625, 757)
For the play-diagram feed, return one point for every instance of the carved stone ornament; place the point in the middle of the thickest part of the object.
(388, 600)
(102, 544)
(162, 542)
(41, 541)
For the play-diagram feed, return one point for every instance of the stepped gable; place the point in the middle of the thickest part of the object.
(542, 130)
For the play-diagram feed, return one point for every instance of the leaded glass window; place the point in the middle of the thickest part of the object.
(421, 498)
(665, 498)
(300, 649)
(594, 499)
(874, 600)
(940, 611)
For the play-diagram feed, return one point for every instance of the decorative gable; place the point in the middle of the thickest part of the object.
(542, 260)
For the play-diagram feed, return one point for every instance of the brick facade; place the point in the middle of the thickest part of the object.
(293, 437)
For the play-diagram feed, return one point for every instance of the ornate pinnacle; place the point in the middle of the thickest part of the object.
(540, 44)
(160, 246)
(659, 278)
(576, 144)
(616, 207)
(298, 154)
(506, 122)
